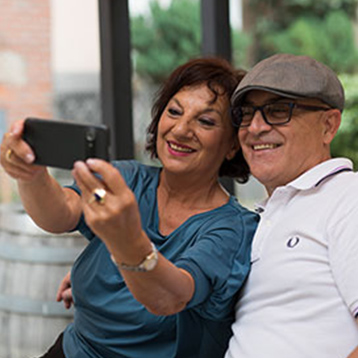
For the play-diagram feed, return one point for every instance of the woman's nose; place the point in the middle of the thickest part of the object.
(182, 127)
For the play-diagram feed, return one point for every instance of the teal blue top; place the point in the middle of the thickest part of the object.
(213, 246)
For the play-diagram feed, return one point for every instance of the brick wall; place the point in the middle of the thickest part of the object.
(25, 67)
(25, 58)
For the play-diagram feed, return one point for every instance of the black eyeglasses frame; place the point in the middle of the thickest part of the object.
(292, 105)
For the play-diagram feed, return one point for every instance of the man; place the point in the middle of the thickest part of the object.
(301, 298)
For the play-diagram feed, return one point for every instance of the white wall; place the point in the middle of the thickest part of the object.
(75, 36)
(75, 33)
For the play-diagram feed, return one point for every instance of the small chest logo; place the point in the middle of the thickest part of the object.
(293, 242)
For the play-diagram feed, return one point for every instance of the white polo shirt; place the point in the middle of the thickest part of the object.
(301, 296)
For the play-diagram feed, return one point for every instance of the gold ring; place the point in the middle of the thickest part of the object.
(98, 195)
(8, 155)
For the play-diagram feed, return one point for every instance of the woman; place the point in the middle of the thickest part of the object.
(169, 247)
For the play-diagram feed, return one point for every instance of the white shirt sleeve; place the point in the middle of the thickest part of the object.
(343, 251)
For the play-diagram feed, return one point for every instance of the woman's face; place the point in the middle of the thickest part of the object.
(194, 134)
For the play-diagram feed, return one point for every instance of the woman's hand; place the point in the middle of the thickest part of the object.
(116, 220)
(64, 292)
(17, 157)
(52, 208)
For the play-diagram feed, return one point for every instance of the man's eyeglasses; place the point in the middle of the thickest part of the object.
(272, 113)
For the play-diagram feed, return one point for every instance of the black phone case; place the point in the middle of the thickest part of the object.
(61, 143)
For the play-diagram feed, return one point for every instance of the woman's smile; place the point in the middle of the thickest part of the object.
(177, 149)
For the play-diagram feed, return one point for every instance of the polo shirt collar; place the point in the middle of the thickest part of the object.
(320, 172)
(314, 177)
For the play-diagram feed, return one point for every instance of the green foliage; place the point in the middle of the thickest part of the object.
(329, 40)
(322, 7)
(240, 45)
(166, 38)
(345, 144)
(284, 11)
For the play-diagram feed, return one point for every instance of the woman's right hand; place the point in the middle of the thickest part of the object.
(17, 157)
(51, 207)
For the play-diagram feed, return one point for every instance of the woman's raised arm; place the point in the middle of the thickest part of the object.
(53, 208)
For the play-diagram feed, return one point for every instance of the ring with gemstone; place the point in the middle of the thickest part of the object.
(98, 195)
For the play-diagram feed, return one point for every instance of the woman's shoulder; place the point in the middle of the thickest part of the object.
(233, 211)
(134, 171)
(231, 221)
(132, 165)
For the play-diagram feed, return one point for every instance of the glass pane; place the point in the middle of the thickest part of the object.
(75, 64)
(75, 60)
(49, 68)
(252, 192)
(49, 64)
(156, 53)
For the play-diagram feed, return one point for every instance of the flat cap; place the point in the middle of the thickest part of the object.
(293, 77)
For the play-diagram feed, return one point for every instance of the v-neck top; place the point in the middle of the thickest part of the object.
(214, 247)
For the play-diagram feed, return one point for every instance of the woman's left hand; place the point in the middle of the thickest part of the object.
(114, 216)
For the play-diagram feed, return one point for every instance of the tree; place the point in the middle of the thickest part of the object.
(169, 36)
(166, 38)
(329, 40)
(296, 21)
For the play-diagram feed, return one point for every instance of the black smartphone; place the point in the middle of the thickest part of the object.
(60, 143)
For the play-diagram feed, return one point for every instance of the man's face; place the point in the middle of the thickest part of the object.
(277, 154)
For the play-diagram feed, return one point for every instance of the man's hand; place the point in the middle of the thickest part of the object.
(64, 292)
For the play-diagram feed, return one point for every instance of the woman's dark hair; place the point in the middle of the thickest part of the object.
(222, 79)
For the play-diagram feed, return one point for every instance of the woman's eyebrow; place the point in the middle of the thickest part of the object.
(176, 101)
(210, 110)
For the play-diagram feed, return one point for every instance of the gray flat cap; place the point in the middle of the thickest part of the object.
(293, 77)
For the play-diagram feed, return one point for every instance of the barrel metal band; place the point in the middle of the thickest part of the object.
(27, 305)
(41, 254)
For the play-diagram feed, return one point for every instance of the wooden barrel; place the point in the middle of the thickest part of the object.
(32, 264)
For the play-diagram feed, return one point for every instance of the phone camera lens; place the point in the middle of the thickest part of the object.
(90, 135)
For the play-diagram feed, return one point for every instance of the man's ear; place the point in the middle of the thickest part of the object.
(233, 150)
(332, 120)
